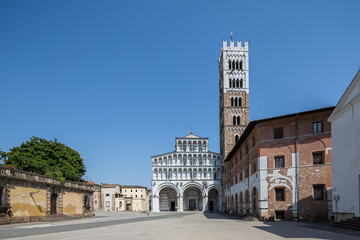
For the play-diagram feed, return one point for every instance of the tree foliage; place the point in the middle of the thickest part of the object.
(50, 158)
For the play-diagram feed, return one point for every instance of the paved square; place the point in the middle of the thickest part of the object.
(127, 225)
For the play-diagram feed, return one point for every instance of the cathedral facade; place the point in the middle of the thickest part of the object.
(188, 178)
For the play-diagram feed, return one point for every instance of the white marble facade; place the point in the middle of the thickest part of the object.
(188, 178)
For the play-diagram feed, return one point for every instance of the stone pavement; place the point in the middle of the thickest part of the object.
(127, 225)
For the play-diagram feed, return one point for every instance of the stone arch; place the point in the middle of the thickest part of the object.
(192, 184)
(168, 199)
(214, 196)
(254, 200)
(232, 203)
(165, 185)
(247, 202)
(236, 209)
(241, 203)
(192, 194)
(309, 146)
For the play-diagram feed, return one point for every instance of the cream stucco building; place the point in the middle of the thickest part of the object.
(109, 192)
(133, 198)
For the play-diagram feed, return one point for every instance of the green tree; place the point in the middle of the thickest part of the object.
(50, 158)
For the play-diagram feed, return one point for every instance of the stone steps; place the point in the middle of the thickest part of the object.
(352, 223)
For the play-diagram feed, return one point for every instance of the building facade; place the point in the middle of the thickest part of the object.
(96, 199)
(233, 93)
(281, 168)
(345, 124)
(133, 198)
(109, 194)
(26, 196)
(188, 178)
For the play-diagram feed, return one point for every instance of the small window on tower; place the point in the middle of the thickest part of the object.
(236, 138)
(241, 65)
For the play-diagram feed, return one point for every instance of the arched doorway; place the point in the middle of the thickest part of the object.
(241, 203)
(213, 200)
(254, 199)
(232, 202)
(236, 204)
(53, 203)
(168, 199)
(247, 202)
(192, 199)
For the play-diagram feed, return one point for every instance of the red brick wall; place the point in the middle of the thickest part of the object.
(309, 174)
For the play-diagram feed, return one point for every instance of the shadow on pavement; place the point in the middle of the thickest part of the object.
(286, 230)
(210, 215)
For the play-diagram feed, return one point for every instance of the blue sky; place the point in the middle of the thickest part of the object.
(119, 80)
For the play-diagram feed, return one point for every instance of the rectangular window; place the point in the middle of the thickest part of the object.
(247, 172)
(317, 127)
(141, 196)
(318, 158)
(279, 162)
(107, 204)
(278, 133)
(318, 192)
(135, 196)
(280, 194)
(254, 168)
(108, 195)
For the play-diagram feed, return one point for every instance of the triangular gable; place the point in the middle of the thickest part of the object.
(352, 92)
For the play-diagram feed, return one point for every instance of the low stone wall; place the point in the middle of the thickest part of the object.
(341, 216)
(28, 197)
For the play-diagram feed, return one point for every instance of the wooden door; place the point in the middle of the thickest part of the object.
(53, 203)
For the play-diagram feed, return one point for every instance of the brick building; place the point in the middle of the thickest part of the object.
(281, 167)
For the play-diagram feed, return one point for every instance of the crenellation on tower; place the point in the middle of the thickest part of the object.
(232, 46)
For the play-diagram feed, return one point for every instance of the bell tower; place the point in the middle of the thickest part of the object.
(233, 93)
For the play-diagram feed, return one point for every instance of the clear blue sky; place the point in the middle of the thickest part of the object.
(119, 80)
